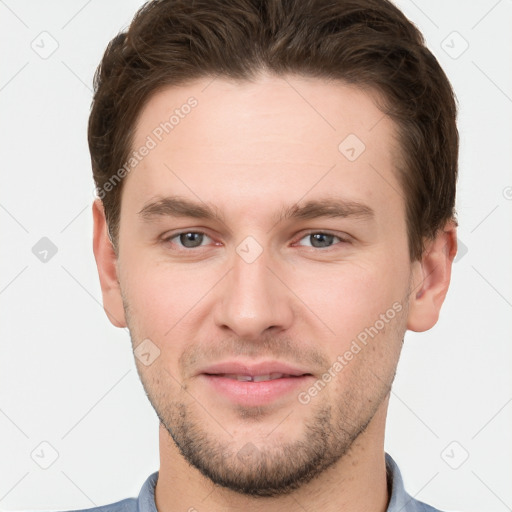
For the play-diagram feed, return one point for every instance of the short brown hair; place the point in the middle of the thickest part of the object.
(366, 43)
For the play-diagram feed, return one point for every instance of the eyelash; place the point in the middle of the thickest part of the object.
(168, 239)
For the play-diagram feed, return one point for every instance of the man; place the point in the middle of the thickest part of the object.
(276, 189)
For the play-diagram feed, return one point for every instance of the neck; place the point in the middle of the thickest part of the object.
(356, 483)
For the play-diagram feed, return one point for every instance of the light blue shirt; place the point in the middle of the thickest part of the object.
(400, 501)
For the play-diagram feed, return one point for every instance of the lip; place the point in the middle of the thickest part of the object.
(250, 393)
(261, 368)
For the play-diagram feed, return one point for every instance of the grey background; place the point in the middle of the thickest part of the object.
(67, 376)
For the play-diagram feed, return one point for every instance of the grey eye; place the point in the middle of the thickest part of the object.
(191, 239)
(320, 240)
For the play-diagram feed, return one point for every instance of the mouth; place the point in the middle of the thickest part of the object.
(252, 371)
(254, 384)
(255, 378)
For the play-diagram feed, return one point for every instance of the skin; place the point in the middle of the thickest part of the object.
(252, 149)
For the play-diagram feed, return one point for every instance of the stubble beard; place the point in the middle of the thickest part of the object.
(261, 471)
(272, 470)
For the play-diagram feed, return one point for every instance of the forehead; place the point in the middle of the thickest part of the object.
(265, 141)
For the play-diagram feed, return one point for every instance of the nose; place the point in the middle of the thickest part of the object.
(252, 300)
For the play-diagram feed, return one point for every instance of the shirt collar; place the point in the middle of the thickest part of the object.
(400, 500)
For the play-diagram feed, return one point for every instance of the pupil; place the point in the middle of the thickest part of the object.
(191, 239)
(324, 240)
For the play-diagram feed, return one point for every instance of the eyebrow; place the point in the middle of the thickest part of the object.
(327, 208)
(174, 206)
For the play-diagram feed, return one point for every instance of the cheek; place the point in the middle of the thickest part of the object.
(350, 297)
(364, 307)
(161, 295)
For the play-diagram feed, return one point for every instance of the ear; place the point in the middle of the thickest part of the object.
(431, 278)
(106, 261)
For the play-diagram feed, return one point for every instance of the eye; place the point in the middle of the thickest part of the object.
(188, 239)
(320, 240)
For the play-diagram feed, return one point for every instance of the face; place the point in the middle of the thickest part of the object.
(263, 259)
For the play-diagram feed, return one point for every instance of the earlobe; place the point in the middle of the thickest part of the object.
(431, 279)
(106, 262)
